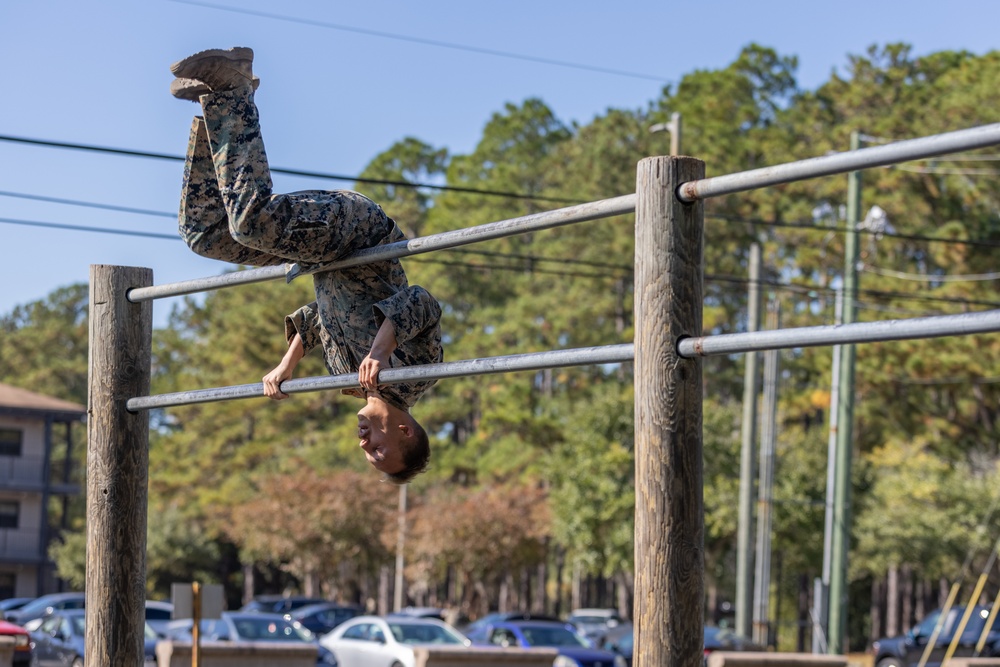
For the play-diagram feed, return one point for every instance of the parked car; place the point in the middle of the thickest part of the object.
(375, 641)
(13, 604)
(158, 614)
(574, 649)
(279, 604)
(478, 630)
(59, 641)
(594, 623)
(252, 626)
(908, 649)
(319, 619)
(22, 643)
(44, 606)
(620, 640)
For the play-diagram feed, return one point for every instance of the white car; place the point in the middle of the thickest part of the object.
(376, 641)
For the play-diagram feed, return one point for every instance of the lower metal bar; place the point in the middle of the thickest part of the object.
(859, 332)
(585, 356)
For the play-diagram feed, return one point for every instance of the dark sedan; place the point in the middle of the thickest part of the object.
(319, 619)
(906, 650)
(574, 650)
(620, 641)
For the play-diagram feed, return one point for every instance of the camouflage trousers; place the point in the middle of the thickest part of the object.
(229, 212)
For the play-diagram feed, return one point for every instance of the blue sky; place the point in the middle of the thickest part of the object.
(97, 73)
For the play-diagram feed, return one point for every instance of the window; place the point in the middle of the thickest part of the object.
(9, 512)
(10, 441)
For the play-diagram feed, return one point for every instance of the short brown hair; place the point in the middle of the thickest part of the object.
(416, 456)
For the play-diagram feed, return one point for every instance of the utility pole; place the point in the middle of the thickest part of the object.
(751, 387)
(845, 421)
(765, 486)
(821, 590)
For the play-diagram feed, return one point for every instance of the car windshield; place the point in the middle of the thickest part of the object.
(551, 636)
(39, 605)
(423, 633)
(270, 629)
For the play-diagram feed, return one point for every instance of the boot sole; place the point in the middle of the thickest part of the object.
(234, 54)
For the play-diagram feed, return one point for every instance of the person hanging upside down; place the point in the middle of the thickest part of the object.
(365, 318)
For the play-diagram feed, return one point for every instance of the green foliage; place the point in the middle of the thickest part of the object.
(542, 464)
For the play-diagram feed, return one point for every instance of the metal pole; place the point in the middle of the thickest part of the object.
(607, 354)
(837, 617)
(669, 503)
(822, 599)
(117, 467)
(839, 163)
(704, 346)
(951, 142)
(675, 133)
(987, 321)
(453, 239)
(751, 386)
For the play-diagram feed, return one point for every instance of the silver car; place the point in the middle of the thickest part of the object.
(374, 641)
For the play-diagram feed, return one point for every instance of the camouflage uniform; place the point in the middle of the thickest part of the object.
(228, 212)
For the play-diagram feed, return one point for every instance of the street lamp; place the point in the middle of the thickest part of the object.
(674, 128)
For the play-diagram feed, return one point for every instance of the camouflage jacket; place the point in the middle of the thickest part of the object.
(351, 305)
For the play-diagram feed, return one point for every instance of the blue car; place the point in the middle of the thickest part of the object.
(59, 641)
(574, 650)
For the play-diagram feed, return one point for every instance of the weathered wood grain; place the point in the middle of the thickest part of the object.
(669, 505)
(117, 467)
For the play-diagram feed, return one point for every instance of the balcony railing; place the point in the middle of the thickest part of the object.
(18, 543)
(25, 472)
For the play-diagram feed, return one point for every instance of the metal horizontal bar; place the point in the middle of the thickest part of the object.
(858, 332)
(521, 225)
(838, 163)
(583, 356)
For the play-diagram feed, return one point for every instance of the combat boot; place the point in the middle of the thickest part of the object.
(219, 69)
(192, 89)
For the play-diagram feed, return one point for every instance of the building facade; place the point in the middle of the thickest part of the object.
(36, 482)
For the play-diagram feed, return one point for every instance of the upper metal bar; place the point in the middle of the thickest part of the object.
(859, 332)
(838, 163)
(584, 356)
(453, 239)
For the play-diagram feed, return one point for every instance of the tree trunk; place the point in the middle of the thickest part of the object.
(892, 602)
(875, 609)
(805, 627)
(906, 594)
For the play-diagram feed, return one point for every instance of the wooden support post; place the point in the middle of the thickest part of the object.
(669, 505)
(117, 467)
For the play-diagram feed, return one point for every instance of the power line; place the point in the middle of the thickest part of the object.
(290, 172)
(801, 289)
(81, 228)
(808, 225)
(424, 41)
(77, 202)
